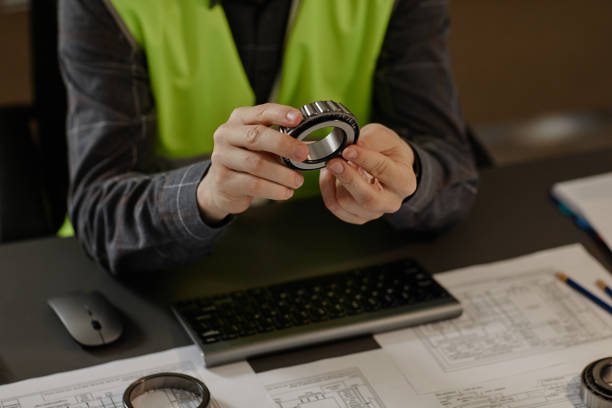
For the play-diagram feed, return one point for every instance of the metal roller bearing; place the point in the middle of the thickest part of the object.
(318, 115)
(596, 384)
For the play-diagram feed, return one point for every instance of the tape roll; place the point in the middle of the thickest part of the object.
(596, 384)
(319, 115)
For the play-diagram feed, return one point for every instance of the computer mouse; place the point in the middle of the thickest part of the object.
(89, 317)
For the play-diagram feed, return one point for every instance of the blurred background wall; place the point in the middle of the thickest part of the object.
(15, 70)
(535, 76)
(515, 59)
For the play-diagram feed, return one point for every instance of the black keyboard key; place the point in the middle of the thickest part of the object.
(302, 304)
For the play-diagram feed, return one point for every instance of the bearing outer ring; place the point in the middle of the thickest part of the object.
(595, 384)
(166, 380)
(318, 115)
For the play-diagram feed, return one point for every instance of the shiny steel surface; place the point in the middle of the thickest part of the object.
(318, 115)
(596, 384)
(162, 381)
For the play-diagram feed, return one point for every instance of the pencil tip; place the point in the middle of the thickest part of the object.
(601, 284)
(561, 276)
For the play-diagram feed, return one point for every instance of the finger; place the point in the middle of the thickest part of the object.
(327, 184)
(365, 193)
(241, 184)
(348, 203)
(377, 164)
(261, 165)
(264, 139)
(367, 176)
(377, 137)
(266, 114)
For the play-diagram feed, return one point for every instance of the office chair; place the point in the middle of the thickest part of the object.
(33, 157)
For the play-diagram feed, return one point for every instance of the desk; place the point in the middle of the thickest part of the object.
(512, 216)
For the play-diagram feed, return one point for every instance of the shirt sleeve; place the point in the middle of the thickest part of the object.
(128, 211)
(414, 95)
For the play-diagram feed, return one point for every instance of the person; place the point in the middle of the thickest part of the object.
(171, 132)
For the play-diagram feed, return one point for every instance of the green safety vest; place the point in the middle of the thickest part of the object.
(197, 77)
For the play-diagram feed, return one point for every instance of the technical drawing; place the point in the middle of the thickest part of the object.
(101, 393)
(512, 317)
(339, 389)
(560, 391)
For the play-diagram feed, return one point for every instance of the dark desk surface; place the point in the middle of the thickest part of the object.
(513, 216)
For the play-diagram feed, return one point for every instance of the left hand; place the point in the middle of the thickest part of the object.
(374, 178)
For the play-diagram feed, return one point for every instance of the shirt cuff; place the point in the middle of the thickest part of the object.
(180, 207)
(428, 183)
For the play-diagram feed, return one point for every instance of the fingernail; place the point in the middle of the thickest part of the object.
(292, 116)
(336, 168)
(300, 152)
(299, 180)
(349, 153)
(289, 193)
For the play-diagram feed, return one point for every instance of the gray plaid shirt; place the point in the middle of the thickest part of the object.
(134, 211)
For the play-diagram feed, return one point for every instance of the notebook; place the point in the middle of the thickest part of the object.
(589, 200)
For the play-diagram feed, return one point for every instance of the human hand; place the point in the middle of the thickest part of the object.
(245, 161)
(374, 177)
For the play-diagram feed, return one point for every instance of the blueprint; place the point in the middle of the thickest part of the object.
(524, 314)
(103, 386)
(363, 380)
(523, 336)
(103, 393)
(344, 388)
(556, 390)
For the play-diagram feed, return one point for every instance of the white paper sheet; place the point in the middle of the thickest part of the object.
(363, 380)
(598, 213)
(591, 199)
(102, 386)
(522, 341)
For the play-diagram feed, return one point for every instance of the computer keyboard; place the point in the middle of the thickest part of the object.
(237, 325)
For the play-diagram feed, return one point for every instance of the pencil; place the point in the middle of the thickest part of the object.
(604, 287)
(578, 288)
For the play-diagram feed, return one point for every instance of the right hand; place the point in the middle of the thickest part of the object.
(245, 161)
